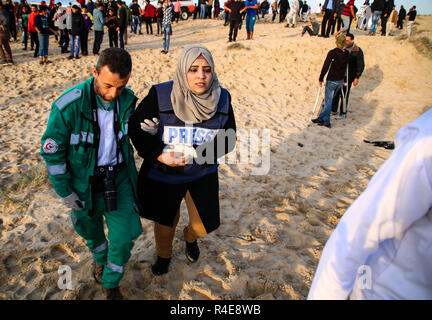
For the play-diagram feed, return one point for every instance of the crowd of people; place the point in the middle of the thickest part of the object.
(71, 25)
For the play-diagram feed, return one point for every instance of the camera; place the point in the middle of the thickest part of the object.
(109, 189)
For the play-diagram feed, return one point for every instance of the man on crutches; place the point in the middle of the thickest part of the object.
(355, 69)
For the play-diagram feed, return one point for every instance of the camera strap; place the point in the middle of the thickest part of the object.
(96, 128)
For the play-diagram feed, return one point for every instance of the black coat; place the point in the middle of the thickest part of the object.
(402, 14)
(78, 25)
(284, 5)
(378, 5)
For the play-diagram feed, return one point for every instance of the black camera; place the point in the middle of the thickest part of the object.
(109, 189)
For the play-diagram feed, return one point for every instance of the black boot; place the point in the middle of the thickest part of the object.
(113, 294)
(161, 266)
(192, 251)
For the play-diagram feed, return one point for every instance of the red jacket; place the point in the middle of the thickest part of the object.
(149, 11)
(31, 22)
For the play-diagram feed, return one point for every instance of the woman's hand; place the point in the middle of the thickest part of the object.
(173, 159)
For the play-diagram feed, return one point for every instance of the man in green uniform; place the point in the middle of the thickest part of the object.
(91, 165)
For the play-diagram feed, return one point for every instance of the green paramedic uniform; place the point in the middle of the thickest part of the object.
(70, 154)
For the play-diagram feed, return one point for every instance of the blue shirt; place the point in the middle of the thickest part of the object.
(329, 5)
(251, 12)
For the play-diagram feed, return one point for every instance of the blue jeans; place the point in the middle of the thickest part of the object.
(166, 28)
(75, 45)
(203, 11)
(330, 89)
(250, 22)
(43, 45)
(375, 19)
(136, 21)
(264, 12)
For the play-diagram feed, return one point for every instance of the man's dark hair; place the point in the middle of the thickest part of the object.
(350, 35)
(118, 61)
(43, 8)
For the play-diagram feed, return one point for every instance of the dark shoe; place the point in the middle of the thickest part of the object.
(97, 272)
(113, 294)
(77, 57)
(192, 251)
(317, 120)
(328, 125)
(70, 57)
(161, 266)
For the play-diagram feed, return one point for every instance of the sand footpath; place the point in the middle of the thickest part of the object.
(274, 226)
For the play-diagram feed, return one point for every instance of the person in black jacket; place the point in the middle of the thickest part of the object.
(122, 14)
(377, 7)
(388, 8)
(77, 28)
(196, 116)
(335, 64)
(356, 67)
(401, 18)
(112, 25)
(283, 10)
(330, 11)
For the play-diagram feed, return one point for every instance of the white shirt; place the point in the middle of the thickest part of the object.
(107, 152)
(388, 228)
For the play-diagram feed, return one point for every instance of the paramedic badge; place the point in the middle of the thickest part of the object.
(50, 146)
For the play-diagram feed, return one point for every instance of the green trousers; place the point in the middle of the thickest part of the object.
(124, 226)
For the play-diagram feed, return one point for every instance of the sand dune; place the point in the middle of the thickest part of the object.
(274, 226)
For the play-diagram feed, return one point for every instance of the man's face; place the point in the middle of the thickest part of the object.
(109, 85)
(33, 9)
(349, 42)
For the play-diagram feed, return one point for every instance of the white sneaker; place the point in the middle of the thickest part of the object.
(340, 117)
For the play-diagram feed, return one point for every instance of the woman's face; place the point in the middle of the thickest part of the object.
(200, 75)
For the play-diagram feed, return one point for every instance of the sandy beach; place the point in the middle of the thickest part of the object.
(273, 226)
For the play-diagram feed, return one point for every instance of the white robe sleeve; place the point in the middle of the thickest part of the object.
(399, 194)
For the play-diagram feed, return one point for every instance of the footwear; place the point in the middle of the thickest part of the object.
(340, 117)
(77, 57)
(317, 120)
(113, 294)
(192, 251)
(97, 272)
(41, 62)
(328, 125)
(47, 62)
(161, 266)
(70, 57)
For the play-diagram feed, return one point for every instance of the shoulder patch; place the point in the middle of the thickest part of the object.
(68, 98)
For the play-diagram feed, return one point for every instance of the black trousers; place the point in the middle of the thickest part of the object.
(234, 24)
(113, 38)
(64, 40)
(84, 42)
(327, 23)
(383, 24)
(337, 22)
(13, 29)
(97, 41)
(282, 15)
(337, 99)
(26, 37)
(148, 22)
(34, 41)
(399, 24)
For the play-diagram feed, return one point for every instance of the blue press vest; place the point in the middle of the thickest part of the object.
(172, 130)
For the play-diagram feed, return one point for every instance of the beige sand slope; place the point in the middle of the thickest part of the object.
(273, 226)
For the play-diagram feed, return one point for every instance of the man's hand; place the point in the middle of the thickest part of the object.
(355, 82)
(72, 201)
(320, 83)
(150, 126)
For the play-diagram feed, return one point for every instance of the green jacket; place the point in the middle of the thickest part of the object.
(67, 144)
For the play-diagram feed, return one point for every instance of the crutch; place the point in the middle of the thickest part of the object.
(316, 103)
